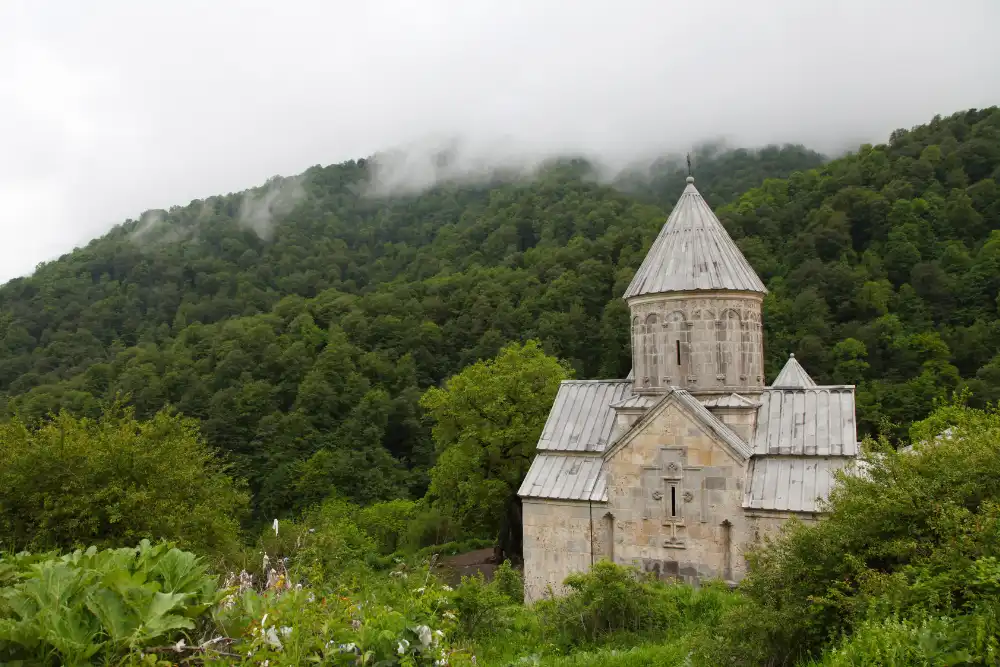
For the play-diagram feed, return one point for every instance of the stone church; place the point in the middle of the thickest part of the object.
(678, 467)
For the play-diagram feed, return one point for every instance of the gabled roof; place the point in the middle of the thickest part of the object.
(693, 252)
(739, 448)
(581, 417)
(793, 375)
(813, 421)
(565, 477)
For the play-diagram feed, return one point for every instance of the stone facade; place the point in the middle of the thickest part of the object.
(698, 341)
(561, 538)
(675, 492)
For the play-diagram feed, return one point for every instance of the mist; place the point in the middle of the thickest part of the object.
(112, 108)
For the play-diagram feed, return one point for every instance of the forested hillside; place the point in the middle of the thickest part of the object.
(302, 322)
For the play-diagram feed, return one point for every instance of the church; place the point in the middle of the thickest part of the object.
(678, 467)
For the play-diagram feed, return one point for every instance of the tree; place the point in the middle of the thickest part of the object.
(115, 480)
(487, 421)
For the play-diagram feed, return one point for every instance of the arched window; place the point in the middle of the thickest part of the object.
(651, 353)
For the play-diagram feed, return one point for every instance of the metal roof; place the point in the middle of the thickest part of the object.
(637, 402)
(581, 418)
(730, 401)
(816, 421)
(793, 375)
(792, 483)
(693, 252)
(565, 477)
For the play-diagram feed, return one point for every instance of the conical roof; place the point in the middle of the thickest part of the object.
(693, 252)
(793, 375)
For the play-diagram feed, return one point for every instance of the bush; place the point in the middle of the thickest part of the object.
(333, 544)
(509, 582)
(388, 523)
(480, 606)
(99, 605)
(115, 480)
(912, 538)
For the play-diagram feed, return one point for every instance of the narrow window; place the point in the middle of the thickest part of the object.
(673, 501)
(727, 550)
(677, 345)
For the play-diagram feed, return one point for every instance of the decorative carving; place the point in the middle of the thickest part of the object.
(672, 466)
(688, 496)
(657, 495)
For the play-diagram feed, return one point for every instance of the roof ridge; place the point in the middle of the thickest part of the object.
(726, 434)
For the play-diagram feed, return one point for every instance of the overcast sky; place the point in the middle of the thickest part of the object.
(112, 107)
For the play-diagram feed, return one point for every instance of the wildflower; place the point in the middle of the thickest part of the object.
(450, 616)
(275, 527)
(401, 646)
(272, 638)
(355, 624)
(439, 633)
(267, 562)
(446, 587)
(285, 630)
(419, 590)
(424, 634)
(179, 646)
(310, 597)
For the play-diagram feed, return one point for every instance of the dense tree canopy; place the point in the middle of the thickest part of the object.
(302, 336)
(76, 482)
(301, 322)
(487, 420)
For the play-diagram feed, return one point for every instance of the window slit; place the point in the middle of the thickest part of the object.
(673, 501)
(677, 345)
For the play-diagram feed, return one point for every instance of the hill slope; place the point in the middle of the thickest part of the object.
(301, 322)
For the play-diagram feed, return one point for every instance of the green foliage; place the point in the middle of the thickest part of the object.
(115, 480)
(99, 605)
(388, 522)
(909, 550)
(410, 628)
(487, 420)
(612, 599)
(481, 606)
(335, 545)
(305, 353)
(509, 582)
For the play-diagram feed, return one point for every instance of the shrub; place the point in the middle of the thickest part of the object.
(910, 539)
(388, 522)
(115, 480)
(480, 606)
(509, 582)
(606, 599)
(99, 605)
(333, 543)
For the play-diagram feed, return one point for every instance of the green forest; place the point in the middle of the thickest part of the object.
(350, 387)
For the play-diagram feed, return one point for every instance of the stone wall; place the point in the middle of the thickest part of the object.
(557, 542)
(676, 494)
(698, 341)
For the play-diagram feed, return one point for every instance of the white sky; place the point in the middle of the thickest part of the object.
(112, 107)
